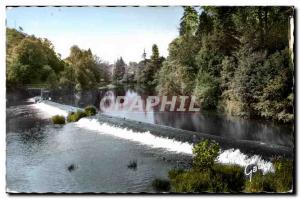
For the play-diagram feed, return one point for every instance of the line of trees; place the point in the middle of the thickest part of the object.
(236, 59)
(145, 72)
(32, 60)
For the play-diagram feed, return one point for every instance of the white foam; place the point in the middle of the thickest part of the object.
(31, 99)
(235, 156)
(49, 110)
(230, 156)
(145, 138)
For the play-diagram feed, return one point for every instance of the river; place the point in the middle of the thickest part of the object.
(39, 154)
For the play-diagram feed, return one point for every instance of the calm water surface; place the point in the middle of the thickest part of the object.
(39, 154)
(202, 122)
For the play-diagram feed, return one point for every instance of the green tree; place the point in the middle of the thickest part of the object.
(119, 70)
(81, 70)
(236, 59)
(189, 21)
(149, 73)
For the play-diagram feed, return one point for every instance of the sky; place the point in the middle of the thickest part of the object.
(110, 32)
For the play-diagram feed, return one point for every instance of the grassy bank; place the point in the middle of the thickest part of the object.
(208, 176)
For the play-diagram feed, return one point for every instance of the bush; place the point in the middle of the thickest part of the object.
(161, 185)
(75, 116)
(205, 154)
(58, 119)
(231, 176)
(220, 178)
(190, 181)
(70, 117)
(260, 183)
(90, 110)
(283, 175)
(206, 176)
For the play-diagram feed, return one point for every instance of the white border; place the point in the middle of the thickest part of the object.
(4, 3)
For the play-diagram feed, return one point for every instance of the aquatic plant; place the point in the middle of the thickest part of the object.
(90, 110)
(58, 119)
(75, 116)
(161, 185)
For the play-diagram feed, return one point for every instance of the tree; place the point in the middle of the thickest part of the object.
(148, 75)
(81, 70)
(207, 90)
(30, 59)
(189, 21)
(119, 70)
(235, 60)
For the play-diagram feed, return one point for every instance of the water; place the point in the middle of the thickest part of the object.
(203, 122)
(39, 154)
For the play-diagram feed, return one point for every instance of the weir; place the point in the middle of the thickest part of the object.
(248, 147)
(245, 146)
(239, 152)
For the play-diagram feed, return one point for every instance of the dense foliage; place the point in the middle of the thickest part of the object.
(150, 68)
(32, 60)
(119, 70)
(236, 59)
(205, 154)
(161, 185)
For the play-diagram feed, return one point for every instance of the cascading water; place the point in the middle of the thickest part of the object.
(230, 156)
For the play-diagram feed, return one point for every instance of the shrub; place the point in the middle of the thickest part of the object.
(90, 110)
(70, 117)
(260, 183)
(220, 178)
(206, 176)
(161, 185)
(231, 176)
(175, 172)
(75, 116)
(190, 181)
(58, 119)
(205, 154)
(283, 175)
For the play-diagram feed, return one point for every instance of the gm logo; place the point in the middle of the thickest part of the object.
(250, 170)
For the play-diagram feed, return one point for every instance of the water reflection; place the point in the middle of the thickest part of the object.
(202, 122)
